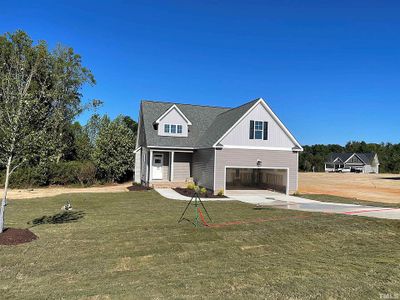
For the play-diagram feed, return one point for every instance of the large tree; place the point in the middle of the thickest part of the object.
(39, 97)
(114, 145)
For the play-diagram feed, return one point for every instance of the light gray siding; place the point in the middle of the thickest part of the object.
(138, 163)
(203, 167)
(248, 158)
(166, 166)
(182, 165)
(239, 136)
(173, 117)
(144, 164)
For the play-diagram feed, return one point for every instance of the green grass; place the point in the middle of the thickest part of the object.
(129, 245)
(338, 199)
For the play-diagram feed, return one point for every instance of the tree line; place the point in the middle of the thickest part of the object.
(314, 157)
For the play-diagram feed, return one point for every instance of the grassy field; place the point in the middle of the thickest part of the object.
(129, 245)
(338, 199)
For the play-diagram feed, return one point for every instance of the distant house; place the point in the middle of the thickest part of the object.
(244, 147)
(352, 162)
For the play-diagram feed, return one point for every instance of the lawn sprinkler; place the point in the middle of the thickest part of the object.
(197, 203)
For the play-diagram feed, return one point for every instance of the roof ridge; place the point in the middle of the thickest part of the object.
(233, 108)
(177, 103)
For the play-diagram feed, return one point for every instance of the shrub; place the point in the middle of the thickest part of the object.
(190, 186)
(203, 191)
(73, 172)
(220, 193)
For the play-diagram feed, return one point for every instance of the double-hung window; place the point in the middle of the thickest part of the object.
(173, 128)
(179, 128)
(258, 130)
(166, 128)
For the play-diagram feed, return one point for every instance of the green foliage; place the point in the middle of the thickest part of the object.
(316, 155)
(113, 152)
(190, 186)
(203, 190)
(220, 193)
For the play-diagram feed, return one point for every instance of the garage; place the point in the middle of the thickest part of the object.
(256, 179)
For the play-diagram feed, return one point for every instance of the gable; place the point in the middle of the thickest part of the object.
(354, 159)
(277, 137)
(173, 117)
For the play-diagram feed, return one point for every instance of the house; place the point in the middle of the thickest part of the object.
(352, 162)
(245, 147)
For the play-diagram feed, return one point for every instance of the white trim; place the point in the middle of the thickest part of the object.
(137, 149)
(170, 147)
(259, 148)
(275, 117)
(151, 166)
(358, 158)
(252, 167)
(172, 165)
(168, 110)
(215, 168)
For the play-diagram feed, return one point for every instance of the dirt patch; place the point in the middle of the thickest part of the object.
(15, 236)
(138, 187)
(59, 190)
(383, 188)
(190, 193)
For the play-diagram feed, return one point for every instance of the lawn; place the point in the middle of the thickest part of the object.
(129, 245)
(339, 199)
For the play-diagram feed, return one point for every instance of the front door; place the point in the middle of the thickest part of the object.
(157, 166)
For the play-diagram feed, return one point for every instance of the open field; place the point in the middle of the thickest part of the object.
(59, 190)
(129, 245)
(372, 187)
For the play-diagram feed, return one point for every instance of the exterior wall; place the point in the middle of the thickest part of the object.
(239, 136)
(182, 166)
(173, 117)
(144, 164)
(203, 167)
(166, 166)
(248, 158)
(138, 163)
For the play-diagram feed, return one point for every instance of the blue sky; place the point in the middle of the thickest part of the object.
(329, 69)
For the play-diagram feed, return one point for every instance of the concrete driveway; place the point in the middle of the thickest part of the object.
(267, 198)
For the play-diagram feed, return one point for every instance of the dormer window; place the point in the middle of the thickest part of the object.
(173, 129)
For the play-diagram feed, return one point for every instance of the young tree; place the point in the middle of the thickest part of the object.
(39, 96)
(113, 153)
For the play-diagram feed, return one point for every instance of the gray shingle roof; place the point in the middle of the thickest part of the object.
(209, 123)
(365, 157)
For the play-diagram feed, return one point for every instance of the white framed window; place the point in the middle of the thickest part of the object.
(179, 128)
(258, 130)
(166, 128)
(173, 128)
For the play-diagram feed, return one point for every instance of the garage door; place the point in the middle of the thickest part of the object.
(256, 179)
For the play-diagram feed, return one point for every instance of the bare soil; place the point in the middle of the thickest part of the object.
(371, 187)
(59, 190)
(15, 236)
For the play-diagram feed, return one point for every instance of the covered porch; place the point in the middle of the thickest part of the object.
(169, 167)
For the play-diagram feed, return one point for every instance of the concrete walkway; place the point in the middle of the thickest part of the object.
(267, 198)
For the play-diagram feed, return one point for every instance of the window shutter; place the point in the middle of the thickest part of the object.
(265, 137)
(251, 130)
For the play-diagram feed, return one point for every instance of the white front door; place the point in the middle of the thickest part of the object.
(157, 166)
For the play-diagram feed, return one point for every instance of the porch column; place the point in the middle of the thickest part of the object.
(150, 165)
(172, 166)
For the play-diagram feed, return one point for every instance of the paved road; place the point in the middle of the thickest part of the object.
(278, 200)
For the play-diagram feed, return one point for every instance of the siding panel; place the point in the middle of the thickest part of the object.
(182, 165)
(203, 167)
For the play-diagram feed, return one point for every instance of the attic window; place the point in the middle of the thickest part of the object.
(258, 130)
(173, 129)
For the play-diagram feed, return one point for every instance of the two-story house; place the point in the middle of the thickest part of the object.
(245, 147)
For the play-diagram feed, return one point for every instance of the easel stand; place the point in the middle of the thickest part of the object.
(196, 201)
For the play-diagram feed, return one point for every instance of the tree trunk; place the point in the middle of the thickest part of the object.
(4, 200)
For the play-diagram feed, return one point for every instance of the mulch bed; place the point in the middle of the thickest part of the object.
(190, 193)
(15, 236)
(138, 187)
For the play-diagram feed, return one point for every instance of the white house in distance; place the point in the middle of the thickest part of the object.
(220, 148)
(352, 162)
